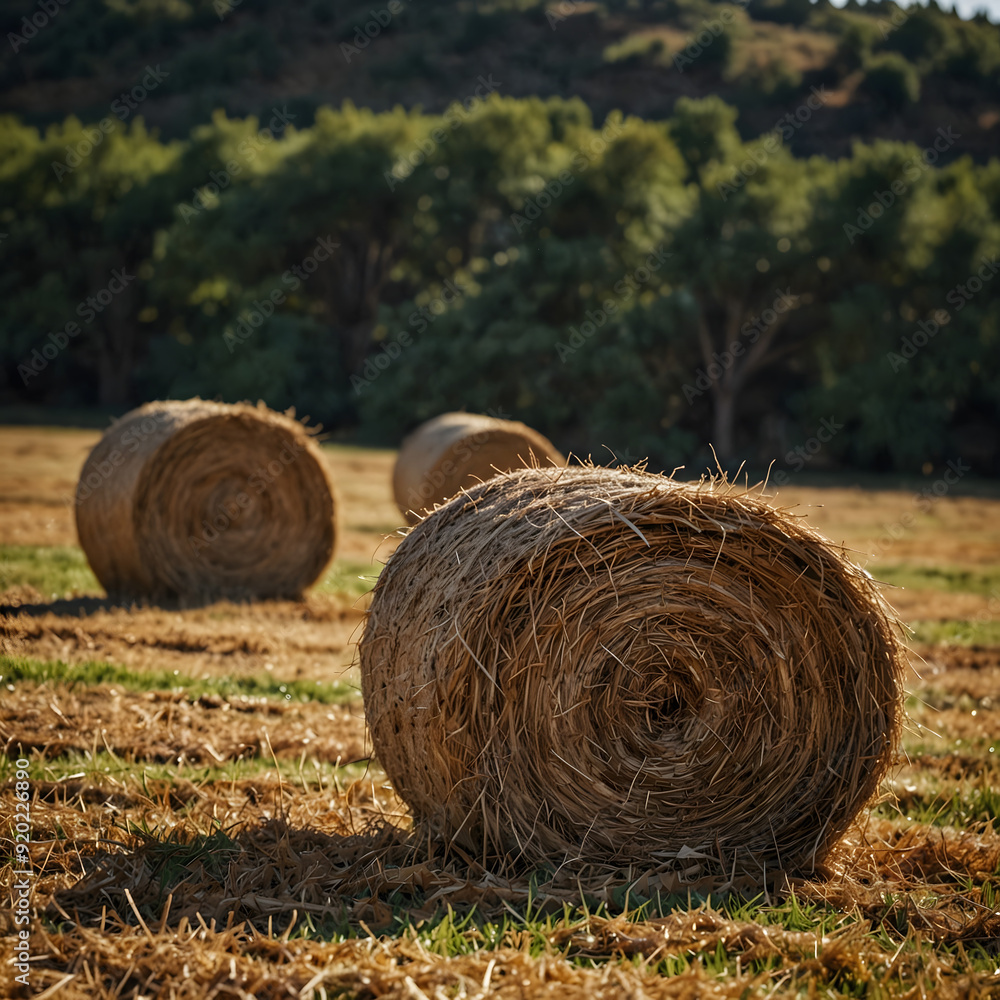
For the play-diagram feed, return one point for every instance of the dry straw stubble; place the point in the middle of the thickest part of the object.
(613, 667)
(457, 450)
(200, 501)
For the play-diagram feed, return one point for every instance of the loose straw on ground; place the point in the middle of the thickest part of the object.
(457, 450)
(612, 667)
(200, 501)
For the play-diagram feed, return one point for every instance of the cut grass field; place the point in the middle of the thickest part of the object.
(206, 819)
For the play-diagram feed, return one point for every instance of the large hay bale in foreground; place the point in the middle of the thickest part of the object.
(202, 500)
(611, 666)
(457, 450)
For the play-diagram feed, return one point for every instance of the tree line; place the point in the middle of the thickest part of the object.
(646, 287)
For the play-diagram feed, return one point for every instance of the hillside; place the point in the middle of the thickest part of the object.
(887, 72)
(455, 213)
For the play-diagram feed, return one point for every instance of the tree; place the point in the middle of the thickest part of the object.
(743, 255)
(92, 199)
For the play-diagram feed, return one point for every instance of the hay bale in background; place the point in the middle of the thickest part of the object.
(457, 450)
(611, 666)
(202, 500)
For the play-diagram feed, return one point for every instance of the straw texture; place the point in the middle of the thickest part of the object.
(613, 667)
(457, 450)
(200, 501)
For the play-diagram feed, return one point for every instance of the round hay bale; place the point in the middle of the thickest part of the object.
(613, 667)
(202, 501)
(457, 450)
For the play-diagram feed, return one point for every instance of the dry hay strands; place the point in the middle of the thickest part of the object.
(608, 666)
(198, 501)
(455, 451)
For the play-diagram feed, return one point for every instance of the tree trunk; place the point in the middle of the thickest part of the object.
(113, 333)
(723, 436)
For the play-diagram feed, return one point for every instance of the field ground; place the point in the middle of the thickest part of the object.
(206, 820)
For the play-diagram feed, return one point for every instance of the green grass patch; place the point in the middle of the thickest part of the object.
(961, 805)
(541, 930)
(566, 933)
(948, 579)
(638, 50)
(958, 632)
(61, 571)
(53, 570)
(21, 670)
(925, 739)
(138, 775)
(173, 860)
(349, 578)
(940, 699)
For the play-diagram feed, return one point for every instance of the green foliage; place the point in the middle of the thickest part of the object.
(858, 37)
(523, 352)
(248, 52)
(796, 12)
(892, 80)
(638, 50)
(922, 35)
(942, 44)
(704, 130)
(475, 243)
(774, 78)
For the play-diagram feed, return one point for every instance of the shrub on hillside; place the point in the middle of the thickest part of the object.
(795, 12)
(892, 80)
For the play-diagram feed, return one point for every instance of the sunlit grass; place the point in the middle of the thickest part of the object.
(138, 775)
(947, 579)
(963, 632)
(24, 670)
(932, 802)
(61, 571)
(349, 578)
(55, 571)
